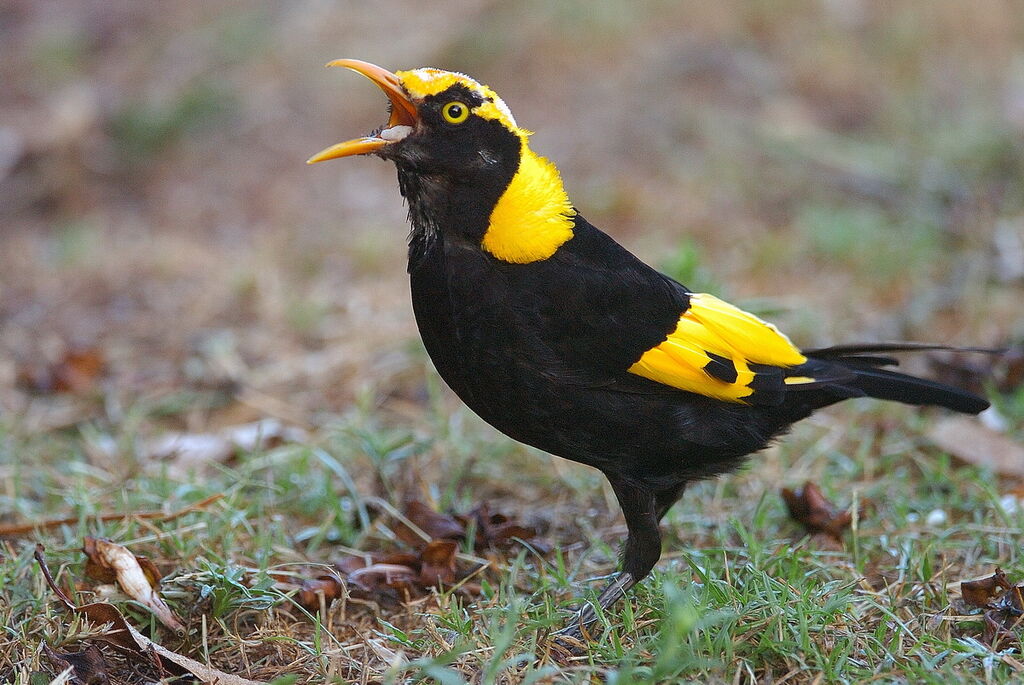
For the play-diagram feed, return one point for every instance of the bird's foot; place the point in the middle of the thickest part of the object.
(575, 636)
(573, 639)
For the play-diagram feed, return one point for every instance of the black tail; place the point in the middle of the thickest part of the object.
(868, 379)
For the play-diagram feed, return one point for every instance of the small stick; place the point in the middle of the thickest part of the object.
(20, 529)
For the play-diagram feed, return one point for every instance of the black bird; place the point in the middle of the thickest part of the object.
(562, 339)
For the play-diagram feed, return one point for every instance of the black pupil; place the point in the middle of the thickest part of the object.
(455, 111)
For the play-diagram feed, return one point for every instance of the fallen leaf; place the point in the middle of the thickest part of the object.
(137, 576)
(77, 371)
(329, 587)
(88, 666)
(1003, 604)
(401, 574)
(433, 564)
(970, 441)
(497, 530)
(372, 577)
(206, 674)
(492, 529)
(809, 507)
(437, 566)
(124, 635)
(997, 633)
(434, 524)
(188, 450)
(1012, 601)
(982, 591)
(98, 612)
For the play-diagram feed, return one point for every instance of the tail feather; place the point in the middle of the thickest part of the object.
(864, 362)
(900, 387)
(857, 349)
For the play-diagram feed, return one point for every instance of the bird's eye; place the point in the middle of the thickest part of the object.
(455, 112)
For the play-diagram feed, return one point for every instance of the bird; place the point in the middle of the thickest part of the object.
(562, 339)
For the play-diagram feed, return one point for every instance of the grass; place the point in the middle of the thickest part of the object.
(739, 593)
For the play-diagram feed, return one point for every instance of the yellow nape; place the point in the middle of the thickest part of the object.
(713, 327)
(533, 217)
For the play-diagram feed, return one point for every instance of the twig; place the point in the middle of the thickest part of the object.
(20, 529)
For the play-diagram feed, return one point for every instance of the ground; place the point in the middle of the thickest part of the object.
(171, 270)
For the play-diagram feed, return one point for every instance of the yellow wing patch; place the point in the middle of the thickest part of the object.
(715, 333)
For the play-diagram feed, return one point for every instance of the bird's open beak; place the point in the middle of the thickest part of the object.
(403, 114)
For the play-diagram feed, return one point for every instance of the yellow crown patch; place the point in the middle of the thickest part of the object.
(421, 83)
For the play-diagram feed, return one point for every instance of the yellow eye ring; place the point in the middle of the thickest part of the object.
(455, 112)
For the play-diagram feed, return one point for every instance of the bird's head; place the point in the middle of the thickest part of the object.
(440, 122)
(463, 163)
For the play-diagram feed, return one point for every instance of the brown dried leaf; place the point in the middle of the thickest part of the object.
(347, 565)
(1012, 601)
(809, 507)
(98, 612)
(78, 371)
(124, 635)
(434, 524)
(1003, 604)
(137, 576)
(970, 441)
(330, 587)
(102, 613)
(507, 533)
(982, 591)
(998, 631)
(410, 559)
(496, 529)
(438, 563)
(88, 666)
(376, 577)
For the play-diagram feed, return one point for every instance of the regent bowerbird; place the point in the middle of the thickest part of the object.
(562, 339)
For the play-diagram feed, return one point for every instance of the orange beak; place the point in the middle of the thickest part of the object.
(403, 114)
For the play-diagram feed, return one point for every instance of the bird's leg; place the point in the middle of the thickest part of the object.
(664, 499)
(641, 552)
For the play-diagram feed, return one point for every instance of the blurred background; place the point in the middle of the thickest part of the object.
(849, 168)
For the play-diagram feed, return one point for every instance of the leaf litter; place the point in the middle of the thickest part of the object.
(1003, 605)
(970, 441)
(138, 576)
(88, 666)
(78, 371)
(822, 519)
(433, 562)
(122, 635)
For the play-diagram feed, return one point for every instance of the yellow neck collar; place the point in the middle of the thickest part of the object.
(533, 217)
